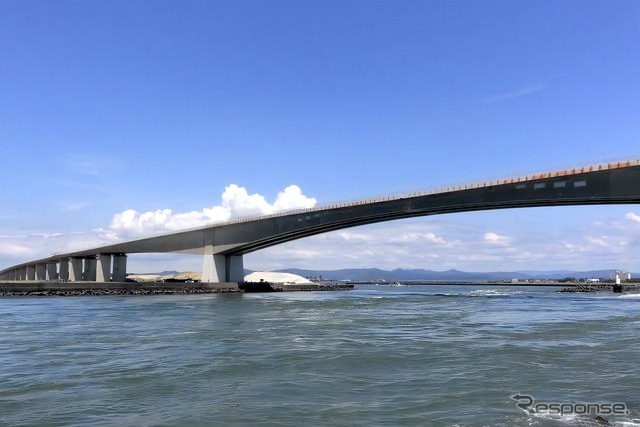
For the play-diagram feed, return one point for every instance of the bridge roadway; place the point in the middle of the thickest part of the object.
(223, 244)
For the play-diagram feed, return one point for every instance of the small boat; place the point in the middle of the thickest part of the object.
(398, 284)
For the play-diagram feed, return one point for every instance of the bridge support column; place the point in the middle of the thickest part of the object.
(103, 271)
(89, 273)
(31, 272)
(41, 271)
(22, 273)
(222, 268)
(119, 268)
(234, 266)
(75, 273)
(52, 271)
(213, 268)
(64, 270)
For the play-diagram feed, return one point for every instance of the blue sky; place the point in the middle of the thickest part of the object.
(149, 106)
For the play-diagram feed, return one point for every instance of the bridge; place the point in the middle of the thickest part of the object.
(223, 244)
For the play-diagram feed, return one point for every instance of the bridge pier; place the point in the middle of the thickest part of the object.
(222, 268)
(103, 271)
(111, 268)
(52, 270)
(41, 272)
(90, 269)
(234, 266)
(64, 270)
(75, 273)
(119, 268)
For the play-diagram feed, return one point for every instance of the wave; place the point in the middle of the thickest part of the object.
(494, 292)
(629, 296)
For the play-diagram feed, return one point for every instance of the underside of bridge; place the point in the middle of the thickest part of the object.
(222, 245)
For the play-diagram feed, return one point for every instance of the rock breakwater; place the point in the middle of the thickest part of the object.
(34, 288)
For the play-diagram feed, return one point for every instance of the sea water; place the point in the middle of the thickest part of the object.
(377, 355)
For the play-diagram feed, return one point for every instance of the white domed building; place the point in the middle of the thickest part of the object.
(274, 277)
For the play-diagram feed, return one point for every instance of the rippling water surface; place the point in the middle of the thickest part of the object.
(378, 355)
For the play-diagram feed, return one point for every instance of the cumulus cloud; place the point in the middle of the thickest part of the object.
(292, 198)
(236, 203)
(633, 217)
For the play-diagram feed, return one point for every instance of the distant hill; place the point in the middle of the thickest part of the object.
(365, 274)
(399, 274)
(602, 274)
(165, 273)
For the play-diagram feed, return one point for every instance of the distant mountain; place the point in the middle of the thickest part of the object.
(366, 274)
(595, 274)
(399, 274)
(535, 273)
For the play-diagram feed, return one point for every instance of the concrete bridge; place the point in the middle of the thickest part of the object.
(223, 244)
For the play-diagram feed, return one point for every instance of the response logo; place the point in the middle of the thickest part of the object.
(529, 405)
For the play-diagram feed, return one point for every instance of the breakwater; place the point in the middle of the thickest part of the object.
(603, 287)
(53, 288)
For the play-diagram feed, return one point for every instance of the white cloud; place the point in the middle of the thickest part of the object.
(236, 203)
(495, 239)
(601, 242)
(12, 248)
(47, 235)
(292, 198)
(633, 217)
(419, 237)
(353, 236)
